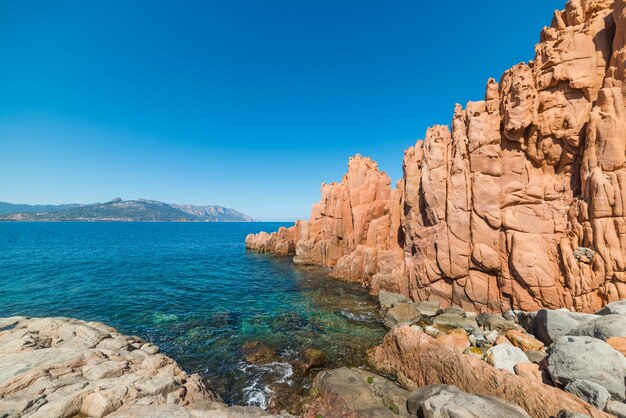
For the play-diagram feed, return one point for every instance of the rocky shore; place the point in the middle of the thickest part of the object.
(436, 362)
(448, 362)
(62, 367)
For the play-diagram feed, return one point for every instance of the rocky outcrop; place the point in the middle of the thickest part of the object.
(519, 205)
(417, 359)
(62, 367)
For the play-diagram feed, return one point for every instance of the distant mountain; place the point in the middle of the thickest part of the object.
(140, 210)
(6, 207)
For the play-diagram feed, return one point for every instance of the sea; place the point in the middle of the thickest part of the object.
(192, 289)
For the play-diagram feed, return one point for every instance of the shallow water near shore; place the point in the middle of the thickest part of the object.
(193, 290)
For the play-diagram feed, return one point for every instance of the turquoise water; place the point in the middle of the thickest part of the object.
(192, 289)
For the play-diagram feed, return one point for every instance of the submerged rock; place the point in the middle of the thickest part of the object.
(444, 401)
(311, 358)
(258, 352)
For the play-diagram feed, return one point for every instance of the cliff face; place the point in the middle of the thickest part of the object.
(520, 204)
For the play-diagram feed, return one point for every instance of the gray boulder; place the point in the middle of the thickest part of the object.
(603, 327)
(497, 323)
(616, 408)
(453, 310)
(445, 401)
(429, 307)
(388, 299)
(453, 320)
(588, 358)
(618, 308)
(548, 325)
(402, 314)
(590, 392)
(505, 357)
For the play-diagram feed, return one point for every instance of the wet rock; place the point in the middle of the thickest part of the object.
(524, 341)
(429, 307)
(348, 392)
(312, 358)
(455, 320)
(616, 408)
(388, 300)
(402, 314)
(258, 352)
(573, 358)
(289, 398)
(617, 308)
(589, 392)
(505, 357)
(603, 327)
(444, 401)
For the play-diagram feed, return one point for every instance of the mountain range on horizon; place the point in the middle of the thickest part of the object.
(140, 210)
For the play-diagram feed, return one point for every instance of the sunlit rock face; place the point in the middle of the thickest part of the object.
(520, 203)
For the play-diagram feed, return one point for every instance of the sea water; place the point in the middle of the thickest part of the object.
(192, 289)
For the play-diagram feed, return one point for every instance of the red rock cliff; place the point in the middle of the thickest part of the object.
(521, 204)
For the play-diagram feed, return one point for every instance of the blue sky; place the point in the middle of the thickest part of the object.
(246, 104)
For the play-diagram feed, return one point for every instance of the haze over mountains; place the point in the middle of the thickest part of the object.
(140, 210)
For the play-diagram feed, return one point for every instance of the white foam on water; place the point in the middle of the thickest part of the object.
(257, 393)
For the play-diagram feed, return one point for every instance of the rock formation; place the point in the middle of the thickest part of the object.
(416, 359)
(62, 367)
(520, 204)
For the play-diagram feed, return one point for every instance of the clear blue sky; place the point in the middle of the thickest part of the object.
(246, 104)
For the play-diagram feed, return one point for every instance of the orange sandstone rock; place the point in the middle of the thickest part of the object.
(524, 341)
(519, 204)
(618, 343)
(455, 342)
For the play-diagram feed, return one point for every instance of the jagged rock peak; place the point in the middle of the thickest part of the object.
(519, 204)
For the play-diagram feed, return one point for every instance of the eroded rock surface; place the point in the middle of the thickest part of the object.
(62, 367)
(520, 204)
